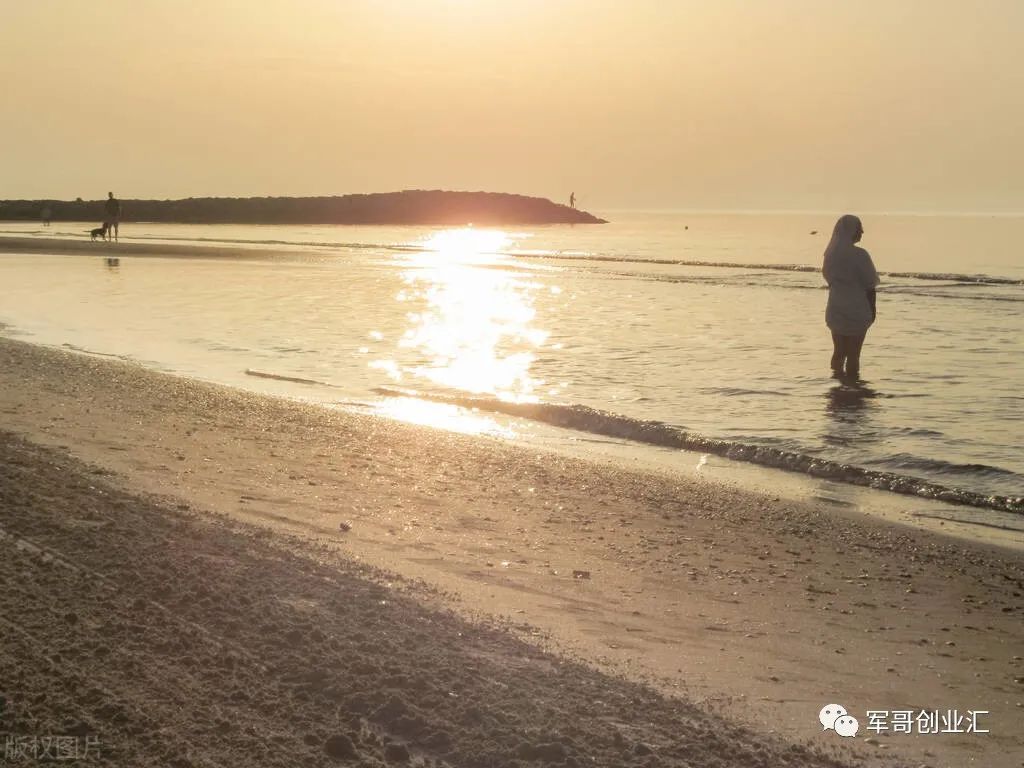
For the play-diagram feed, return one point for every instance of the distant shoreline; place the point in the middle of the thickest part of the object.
(422, 207)
(62, 246)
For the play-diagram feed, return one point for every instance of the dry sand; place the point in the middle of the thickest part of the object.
(161, 637)
(743, 609)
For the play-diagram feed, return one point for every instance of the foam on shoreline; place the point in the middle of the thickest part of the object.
(587, 419)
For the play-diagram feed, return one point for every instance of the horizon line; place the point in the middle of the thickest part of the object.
(815, 212)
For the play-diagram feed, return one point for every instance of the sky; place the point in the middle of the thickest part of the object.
(874, 105)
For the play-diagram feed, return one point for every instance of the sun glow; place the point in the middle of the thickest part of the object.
(472, 320)
(464, 246)
(442, 415)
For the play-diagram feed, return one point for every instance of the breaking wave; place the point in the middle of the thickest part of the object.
(949, 277)
(586, 419)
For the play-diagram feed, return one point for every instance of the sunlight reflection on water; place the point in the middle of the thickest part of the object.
(473, 327)
(735, 353)
(444, 415)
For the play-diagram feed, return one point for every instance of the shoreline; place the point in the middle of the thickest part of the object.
(61, 246)
(918, 465)
(969, 523)
(660, 435)
(761, 608)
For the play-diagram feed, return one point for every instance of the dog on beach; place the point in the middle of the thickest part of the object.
(100, 232)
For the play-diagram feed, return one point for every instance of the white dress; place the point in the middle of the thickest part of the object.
(850, 274)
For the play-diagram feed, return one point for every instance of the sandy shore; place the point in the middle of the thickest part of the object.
(62, 246)
(745, 610)
(150, 635)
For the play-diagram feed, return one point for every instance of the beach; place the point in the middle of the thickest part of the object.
(655, 331)
(739, 609)
(66, 246)
(512, 385)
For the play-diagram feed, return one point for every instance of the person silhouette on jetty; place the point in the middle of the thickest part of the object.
(852, 280)
(113, 214)
(572, 200)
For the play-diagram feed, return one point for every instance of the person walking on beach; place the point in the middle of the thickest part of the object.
(113, 217)
(852, 280)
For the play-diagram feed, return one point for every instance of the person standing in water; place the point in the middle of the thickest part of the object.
(113, 217)
(852, 280)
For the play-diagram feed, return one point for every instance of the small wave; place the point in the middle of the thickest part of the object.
(908, 461)
(952, 277)
(586, 419)
(219, 346)
(85, 351)
(918, 432)
(282, 377)
(938, 292)
(744, 279)
(740, 392)
(948, 277)
(945, 291)
(955, 279)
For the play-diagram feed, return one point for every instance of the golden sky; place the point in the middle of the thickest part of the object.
(698, 104)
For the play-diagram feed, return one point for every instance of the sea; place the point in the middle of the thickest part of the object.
(679, 333)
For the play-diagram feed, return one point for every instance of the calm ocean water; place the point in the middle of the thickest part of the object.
(681, 330)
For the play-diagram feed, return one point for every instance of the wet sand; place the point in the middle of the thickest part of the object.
(748, 612)
(62, 246)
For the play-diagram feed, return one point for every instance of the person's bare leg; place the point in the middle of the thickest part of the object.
(853, 347)
(838, 352)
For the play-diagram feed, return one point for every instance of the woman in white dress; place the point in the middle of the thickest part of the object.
(852, 280)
